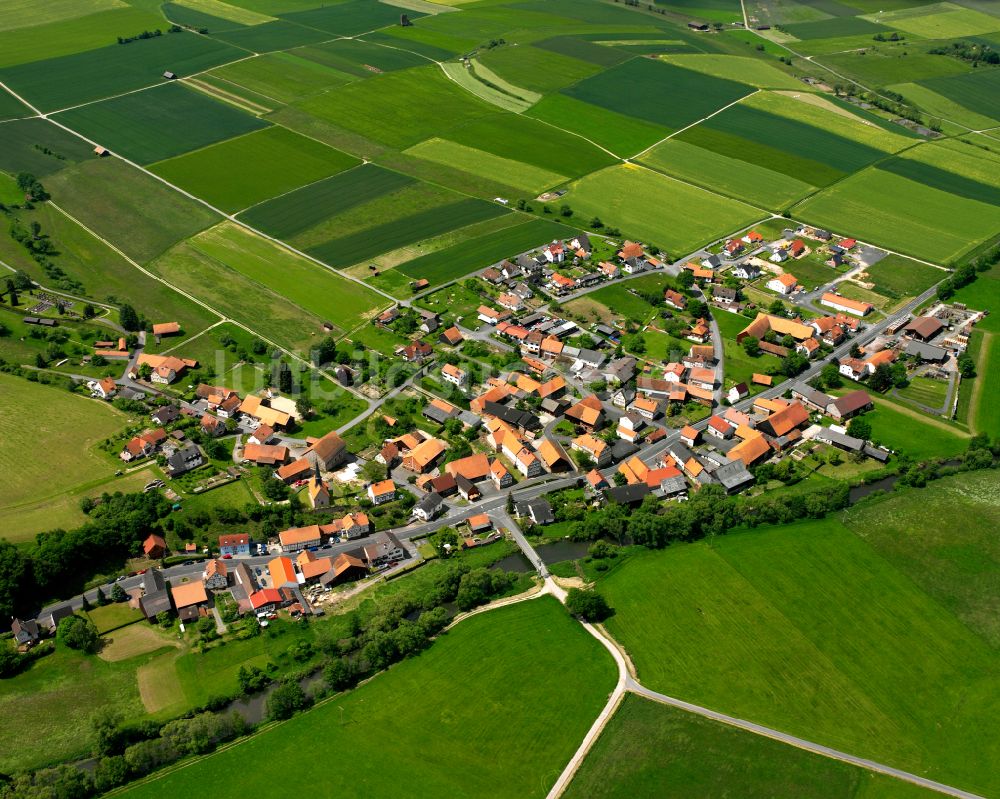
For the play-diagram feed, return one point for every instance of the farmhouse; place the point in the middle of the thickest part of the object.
(382, 492)
(783, 284)
(845, 304)
(189, 598)
(781, 327)
(923, 328)
(849, 405)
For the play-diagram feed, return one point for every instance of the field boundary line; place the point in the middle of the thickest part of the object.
(977, 387)
(199, 334)
(800, 743)
(696, 122)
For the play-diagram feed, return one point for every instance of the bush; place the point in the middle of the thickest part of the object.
(588, 605)
(78, 633)
(286, 700)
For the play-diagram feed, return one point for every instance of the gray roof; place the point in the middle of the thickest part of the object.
(438, 415)
(470, 419)
(876, 452)
(812, 395)
(680, 452)
(622, 449)
(184, 459)
(539, 510)
(927, 352)
(627, 494)
(430, 503)
(155, 603)
(840, 439)
(153, 581)
(673, 485)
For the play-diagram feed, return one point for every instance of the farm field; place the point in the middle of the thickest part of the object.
(983, 294)
(72, 425)
(115, 69)
(647, 746)
(902, 428)
(736, 68)
(33, 145)
(160, 123)
(300, 210)
(325, 293)
(247, 170)
(977, 91)
(621, 134)
(134, 211)
(823, 630)
(895, 276)
(487, 651)
(657, 209)
(277, 78)
(893, 211)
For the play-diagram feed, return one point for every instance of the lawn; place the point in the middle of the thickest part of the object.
(620, 299)
(160, 123)
(55, 699)
(940, 21)
(249, 169)
(71, 427)
(115, 69)
(321, 291)
(925, 391)
(726, 175)
(527, 178)
(657, 92)
(821, 631)
(304, 208)
(112, 616)
(656, 209)
(887, 209)
(648, 746)
(134, 211)
(904, 429)
(496, 740)
(896, 276)
(958, 563)
(478, 253)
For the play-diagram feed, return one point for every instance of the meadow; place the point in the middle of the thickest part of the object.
(349, 18)
(278, 78)
(360, 58)
(527, 178)
(901, 428)
(34, 145)
(135, 211)
(272, 36)
(321, 291)
(115, 69)
(822, 631)
(299, 210)
(648, 746)
(656, 209)
(70, 428)
(496, 740)
(978, 90)
(657, 92)
(471, 256)
(620, 299)
(247, 170)
(896, 276)
(538, 69)
(159, 123)
(983, 294)
(737, 68)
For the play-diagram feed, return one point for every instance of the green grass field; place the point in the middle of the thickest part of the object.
(975, 90)
(896, 276)
(660, 93)
(249, 169)
(523, 176)
(537, 69)
(115, 69)
(159, 123)
(940, 21)
(325, 293)
(281, 77)
(461, 259)
(754, 71)
(925, 391)
(39, 147)
(648, 746)
(890, 210)
(656, 209)
(300, 210)
(984, 295)
(821, 631)
(71, 427)
(133, 211)
(902, 428)
(483, 725)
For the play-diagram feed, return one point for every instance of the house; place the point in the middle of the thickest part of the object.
(266, 601)
(318, 492)
(429, 506)
(873, 361)
(733, 248)
(452, 337)
(750, 450)
(588, 413)
(782, 422)
(265, 454)
(763, 323)
(597, 450)
(511, 302)
(923, 328)
(610, 271)
(212, 425)
(154, 547)
(555, 253)
(166, 329)
(845, 304)
(300, 469)
(423, 457)
(234, 544)
(761, 380)
(783, 284)
(419, 284)
(282, 572)
(646, 407)
(344, 568)
(711, 262)
(699, 332)
(620, 370)
(689, 435)
(653, 387)
(809, 347)
(719, 428)
(732, 475)
(328, 452)
(259, 408)
(738, 392)
(417, 351)
(452, 374)
(155, 597)
(674, 299)
(701, 377)
(552, 456)
(539, 511)
(351, 526)
(623, 397)
(189, 598)
(632, 494)
(216, 575)
(746, 271)
(926, 352)
(847, 244)
(26, 633)
(849, 405)
(840, 440)
(491, 316)
(143, 445)
(527, 463)
(382, 492)
(165, 369)
(385, 547)
(105, 388)
(295, 539)
(561, 284)
(812, 398)
(501, 476)
(754, 238)
(724, 295)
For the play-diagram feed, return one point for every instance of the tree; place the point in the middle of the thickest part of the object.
(251, 679)
(106, 732)
(565, 210)
(830, 375)
(751, 346)
(339, 674)
(859, 427)
(776, 308)
(588, 605)
(128, 318)
(102, 599)
(881, 379)
(89, 311)
(78, 633)
(966, 366)
(510, 502)
(685, 279)
(118, 593)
